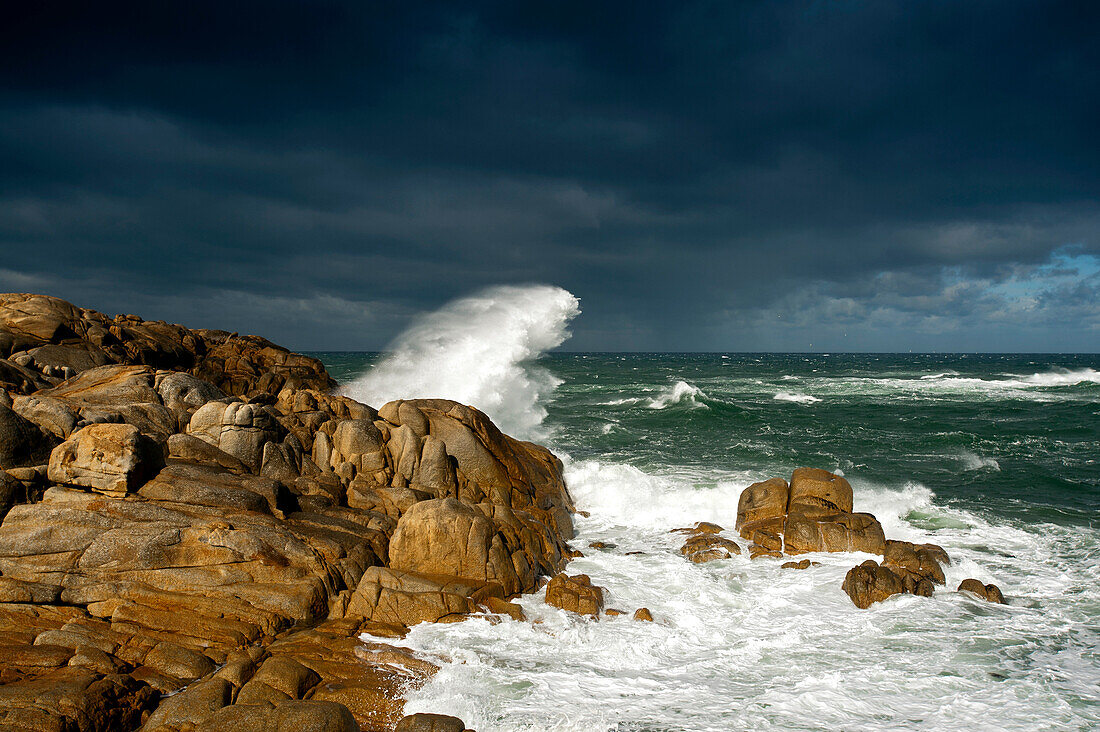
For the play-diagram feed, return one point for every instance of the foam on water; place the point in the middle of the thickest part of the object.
(479, 351)
(788, 396)
(747, 645)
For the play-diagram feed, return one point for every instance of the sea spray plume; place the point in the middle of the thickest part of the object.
(478, 350)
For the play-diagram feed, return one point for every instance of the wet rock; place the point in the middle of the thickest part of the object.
(761, 502)
(575, 593)
(113, 459)
(756, 552)
(838, 532)
(708, 547)
(817, 492)
(801, 564)
(284, 716)
(703, 527)
(922, 560)
(871, 582)
(643, 614)
(989, 592)
(430, 723)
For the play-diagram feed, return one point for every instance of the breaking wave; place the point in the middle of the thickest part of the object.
(479, 350)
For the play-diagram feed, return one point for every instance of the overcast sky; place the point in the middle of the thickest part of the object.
(702, 175)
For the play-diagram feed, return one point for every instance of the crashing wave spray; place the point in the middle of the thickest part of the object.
(478, 350)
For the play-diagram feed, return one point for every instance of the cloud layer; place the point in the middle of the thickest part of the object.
(704, 176)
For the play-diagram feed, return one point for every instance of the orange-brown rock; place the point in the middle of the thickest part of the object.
(703, 527)
(278, 506)
(757, 551)
(701, 548)
(643, 614)
(575, 593)
(430, 723)
(871, 582)
(447, 537)
(60, 340)
(815, 491)
(113, 459)
(801, 564)
(763, 501)
(839, 532)
(923, 560)
(989, 592)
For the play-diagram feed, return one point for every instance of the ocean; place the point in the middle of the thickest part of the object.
(994, 457)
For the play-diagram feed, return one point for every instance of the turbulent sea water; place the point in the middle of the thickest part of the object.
(994, 457)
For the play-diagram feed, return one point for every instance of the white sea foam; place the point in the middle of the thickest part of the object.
(680, 393)
(1024, 386)
(794, 396)
(479, 350)
(740, 644)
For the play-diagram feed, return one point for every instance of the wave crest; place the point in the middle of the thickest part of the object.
(679, 393)
(478, 350)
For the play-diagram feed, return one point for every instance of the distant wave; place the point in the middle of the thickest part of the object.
(1063, 377)
(679, 393)
(974, 461)
(788, 396)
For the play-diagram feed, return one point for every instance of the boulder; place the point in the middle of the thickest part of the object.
(990, 592)
(575, 593)
(813, 531)
(51, 415)
(763, 501)
(111, 385)
(284, 716)
(708, 547)
(403, 598)
(113, 459)
(643, 614)
(871, 582)
(430, 723)
(237, 428)
(923, 560)
(22, 443)
(815, 491)
(444, 536)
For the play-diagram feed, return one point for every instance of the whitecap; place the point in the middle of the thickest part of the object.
(679, 393)
(789, 396)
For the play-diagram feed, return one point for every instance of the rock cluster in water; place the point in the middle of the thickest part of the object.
(813, 513)
(196, 531)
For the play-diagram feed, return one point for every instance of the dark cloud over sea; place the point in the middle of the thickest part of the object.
(703, 175)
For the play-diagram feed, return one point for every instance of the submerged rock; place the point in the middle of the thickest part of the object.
(991, 593)
(430, 723)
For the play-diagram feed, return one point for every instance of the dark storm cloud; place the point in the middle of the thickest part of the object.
(703, 175)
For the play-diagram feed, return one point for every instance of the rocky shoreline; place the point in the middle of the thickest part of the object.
(196, 531)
